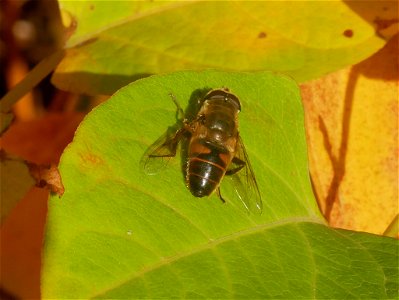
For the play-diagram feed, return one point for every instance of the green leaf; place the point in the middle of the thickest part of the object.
(5, 121)
(393, 228)
(118, 233)
(16, 181)
(114, 43)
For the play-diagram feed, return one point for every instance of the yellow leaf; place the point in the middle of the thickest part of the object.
(352, 130)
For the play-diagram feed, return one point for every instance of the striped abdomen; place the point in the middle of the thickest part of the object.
(206, 167)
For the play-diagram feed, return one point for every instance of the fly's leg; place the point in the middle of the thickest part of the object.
(239, 163)
(220, 195)
(188, 125)
(180, 112)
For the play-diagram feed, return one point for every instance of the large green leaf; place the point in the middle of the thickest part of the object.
(115, 42)
(119, 233)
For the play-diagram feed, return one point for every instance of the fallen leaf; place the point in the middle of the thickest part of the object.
(21, 237)
(47, 176)
(41, 141)
(352, 131)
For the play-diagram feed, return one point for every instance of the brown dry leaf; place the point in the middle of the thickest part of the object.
(21, 245)
(47, 176)
(17, 177)
(352, 131)
(41, 141)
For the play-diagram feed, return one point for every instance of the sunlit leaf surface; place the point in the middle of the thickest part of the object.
(118, 233)
(115, 42)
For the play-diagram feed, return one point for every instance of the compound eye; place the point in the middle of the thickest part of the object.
(235, 100)
(225, 95)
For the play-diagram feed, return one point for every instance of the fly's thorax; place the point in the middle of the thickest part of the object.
(219, 122)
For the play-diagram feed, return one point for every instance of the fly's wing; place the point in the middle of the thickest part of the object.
(158, 155)
(244, 180)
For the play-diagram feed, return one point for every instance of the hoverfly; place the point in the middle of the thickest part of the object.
(215, 149)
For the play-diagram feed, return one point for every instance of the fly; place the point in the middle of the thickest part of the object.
(215, 150)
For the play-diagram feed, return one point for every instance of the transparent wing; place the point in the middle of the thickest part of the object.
(244, 180)
(158, 155)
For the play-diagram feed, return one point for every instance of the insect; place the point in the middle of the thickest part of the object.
(215, 150)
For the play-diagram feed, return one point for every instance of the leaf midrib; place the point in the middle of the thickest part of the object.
(212, 244)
